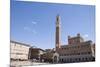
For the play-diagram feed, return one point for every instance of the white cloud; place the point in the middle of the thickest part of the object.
(30, 30)
(27, 28)
(33, 22)
(86, 35)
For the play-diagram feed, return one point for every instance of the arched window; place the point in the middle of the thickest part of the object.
(70, 60)
(82, 59)
(75, 59)
(86, 58)
(62, 60)
(79, 59)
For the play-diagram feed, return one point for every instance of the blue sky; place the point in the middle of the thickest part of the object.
(34, 22)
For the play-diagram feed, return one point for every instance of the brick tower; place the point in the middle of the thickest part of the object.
(57, 45)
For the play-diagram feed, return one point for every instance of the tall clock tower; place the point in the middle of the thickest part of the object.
(58, 43)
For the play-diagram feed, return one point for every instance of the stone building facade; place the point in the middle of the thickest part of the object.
(19, 51)
(51, 57)
(35, 54)
(77, 49)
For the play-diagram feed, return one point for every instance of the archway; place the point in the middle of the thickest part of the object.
(55, 59)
